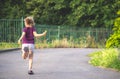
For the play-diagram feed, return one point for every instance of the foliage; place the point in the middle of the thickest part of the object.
(93, 13)
(108, 58)
(12, 9)
(114, 40)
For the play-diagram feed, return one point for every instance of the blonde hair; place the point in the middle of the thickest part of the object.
(29, 20)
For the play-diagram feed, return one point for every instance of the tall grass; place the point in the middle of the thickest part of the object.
(107, 58)
(63, 43)
(80, 42)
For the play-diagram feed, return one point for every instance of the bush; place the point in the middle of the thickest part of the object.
(114, 40)
(108, 58)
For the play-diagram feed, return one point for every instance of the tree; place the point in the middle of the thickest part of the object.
(12, 9)
(49, 12)
(94, 13)
(82, 13)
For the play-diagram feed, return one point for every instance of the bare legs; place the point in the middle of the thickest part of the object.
(30, 55)
(25, 54)
(30, 59)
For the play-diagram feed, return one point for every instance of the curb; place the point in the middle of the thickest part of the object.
(8, 50)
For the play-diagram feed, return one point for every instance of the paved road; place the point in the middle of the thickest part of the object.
(61, 63)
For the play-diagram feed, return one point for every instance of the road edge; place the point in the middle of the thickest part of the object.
(8, 50)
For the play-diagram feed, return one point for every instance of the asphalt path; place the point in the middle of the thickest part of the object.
(59, 63)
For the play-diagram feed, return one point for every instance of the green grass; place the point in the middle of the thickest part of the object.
(107, 58)
(5, 45)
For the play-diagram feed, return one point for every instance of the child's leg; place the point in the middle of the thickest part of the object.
(30, 59)
(25, 51)
(31, 50)
(24, 55)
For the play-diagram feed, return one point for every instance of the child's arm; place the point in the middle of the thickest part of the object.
(39, 35)
(19, 41)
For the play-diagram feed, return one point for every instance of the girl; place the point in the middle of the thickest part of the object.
(27, 37)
